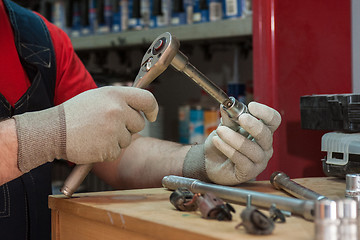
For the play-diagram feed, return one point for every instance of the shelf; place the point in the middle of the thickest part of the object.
(212, 30)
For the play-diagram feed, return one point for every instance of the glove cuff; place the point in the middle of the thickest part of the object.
(194, 164)
(41, 137)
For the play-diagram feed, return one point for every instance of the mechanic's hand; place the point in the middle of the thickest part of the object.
(91, 127)
(230, 158)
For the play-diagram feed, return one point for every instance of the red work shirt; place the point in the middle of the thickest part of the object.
(71, 76)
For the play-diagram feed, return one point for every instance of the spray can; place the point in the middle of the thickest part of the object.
(247, 7)
(134, 14)
(124, 14)
(93, 22)
(235, 87)
(189, 10)
(145, 11)
(211, 120)
(184, 123)
(201, 11)
(196, 126)
(161, 16)
(104, 16)
(58, 14)
(116, 16)
(108, 14)
(178, 13)
(84, 17)
(76, 20)
(232, 8)
(215, 10)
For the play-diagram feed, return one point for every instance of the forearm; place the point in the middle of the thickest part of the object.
(8, 152)
(144, 163)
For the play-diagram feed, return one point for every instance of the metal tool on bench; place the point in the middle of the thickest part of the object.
(303, 208)
(164, 51)
(282, 181)
(254, 221)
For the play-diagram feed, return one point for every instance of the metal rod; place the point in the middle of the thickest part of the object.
(182, 64)
(76, 177)
(303, 208)
(282, 181)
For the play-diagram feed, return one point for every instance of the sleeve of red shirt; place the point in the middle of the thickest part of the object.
(72, 77)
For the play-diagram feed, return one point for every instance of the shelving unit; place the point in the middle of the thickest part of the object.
(230, 28)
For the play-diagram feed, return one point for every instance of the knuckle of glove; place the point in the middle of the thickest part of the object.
(124, 138)
(243, 175)
(270, 116)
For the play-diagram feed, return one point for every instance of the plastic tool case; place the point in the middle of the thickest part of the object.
(340, 113)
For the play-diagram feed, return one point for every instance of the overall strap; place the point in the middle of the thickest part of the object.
(34, 45)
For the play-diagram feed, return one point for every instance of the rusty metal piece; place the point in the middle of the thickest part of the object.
(276, 214)
(254, 221)
(304, 208)
(212, 207)
(183, 200)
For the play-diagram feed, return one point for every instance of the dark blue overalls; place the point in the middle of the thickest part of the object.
(24, 212)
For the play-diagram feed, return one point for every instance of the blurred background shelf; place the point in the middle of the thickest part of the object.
(223, 29)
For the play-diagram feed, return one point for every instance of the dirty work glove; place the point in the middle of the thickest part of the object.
(91, 127)
(229, 158)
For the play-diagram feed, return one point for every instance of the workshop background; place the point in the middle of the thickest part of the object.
(270, 51)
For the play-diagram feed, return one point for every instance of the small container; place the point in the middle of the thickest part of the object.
(201, 11)
(326, 220)
(215, 10)
(211, 120)
(347, 213)
(184, 124)
(353, 186)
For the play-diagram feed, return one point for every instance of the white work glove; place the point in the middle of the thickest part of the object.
(91, 127)
(228, 157)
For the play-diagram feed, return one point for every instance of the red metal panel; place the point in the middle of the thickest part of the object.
(301, 47)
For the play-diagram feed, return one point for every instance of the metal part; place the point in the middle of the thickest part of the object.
(353, 186)
(304, 208)
(254, 221)
(326, 221)
(212, 207)
(282, 181)
(276, 214)
(183, 200)
(347, 213)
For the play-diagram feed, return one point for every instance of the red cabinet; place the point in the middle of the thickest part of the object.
(301, 47)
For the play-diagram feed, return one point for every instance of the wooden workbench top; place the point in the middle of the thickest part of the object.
(148, 214)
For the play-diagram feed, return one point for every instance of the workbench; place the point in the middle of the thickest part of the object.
(148, 214)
